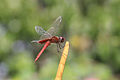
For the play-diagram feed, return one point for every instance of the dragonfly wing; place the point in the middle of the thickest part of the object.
(55, 26)
(36, 46)
(45, 36)
(42, 32)
(34, 41)
(50, 32)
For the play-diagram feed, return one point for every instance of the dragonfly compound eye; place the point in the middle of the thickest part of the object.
(61, 39)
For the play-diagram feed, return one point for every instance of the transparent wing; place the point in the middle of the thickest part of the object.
(42, 32)
(36, 47)
(34, 41)
(55, 26)
(50, 32)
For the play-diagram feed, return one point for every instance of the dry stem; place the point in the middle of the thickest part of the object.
(62, 62)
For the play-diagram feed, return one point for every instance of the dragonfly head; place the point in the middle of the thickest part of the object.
(61, 39)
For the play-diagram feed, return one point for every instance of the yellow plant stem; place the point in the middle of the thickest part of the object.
(62, 62)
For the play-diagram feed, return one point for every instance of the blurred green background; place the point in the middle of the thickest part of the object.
(91, 26)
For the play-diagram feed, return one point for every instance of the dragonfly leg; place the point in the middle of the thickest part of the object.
(58, 48)
(61, 45)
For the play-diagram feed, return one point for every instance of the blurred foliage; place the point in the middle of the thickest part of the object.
(91, 26)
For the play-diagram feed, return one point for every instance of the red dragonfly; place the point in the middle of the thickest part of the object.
(48, 36)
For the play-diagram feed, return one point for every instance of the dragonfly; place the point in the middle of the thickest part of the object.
(48, 37)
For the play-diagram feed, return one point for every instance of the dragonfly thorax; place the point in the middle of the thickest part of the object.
(56, 39)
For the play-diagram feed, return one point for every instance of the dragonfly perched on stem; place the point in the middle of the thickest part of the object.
(48, 37)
